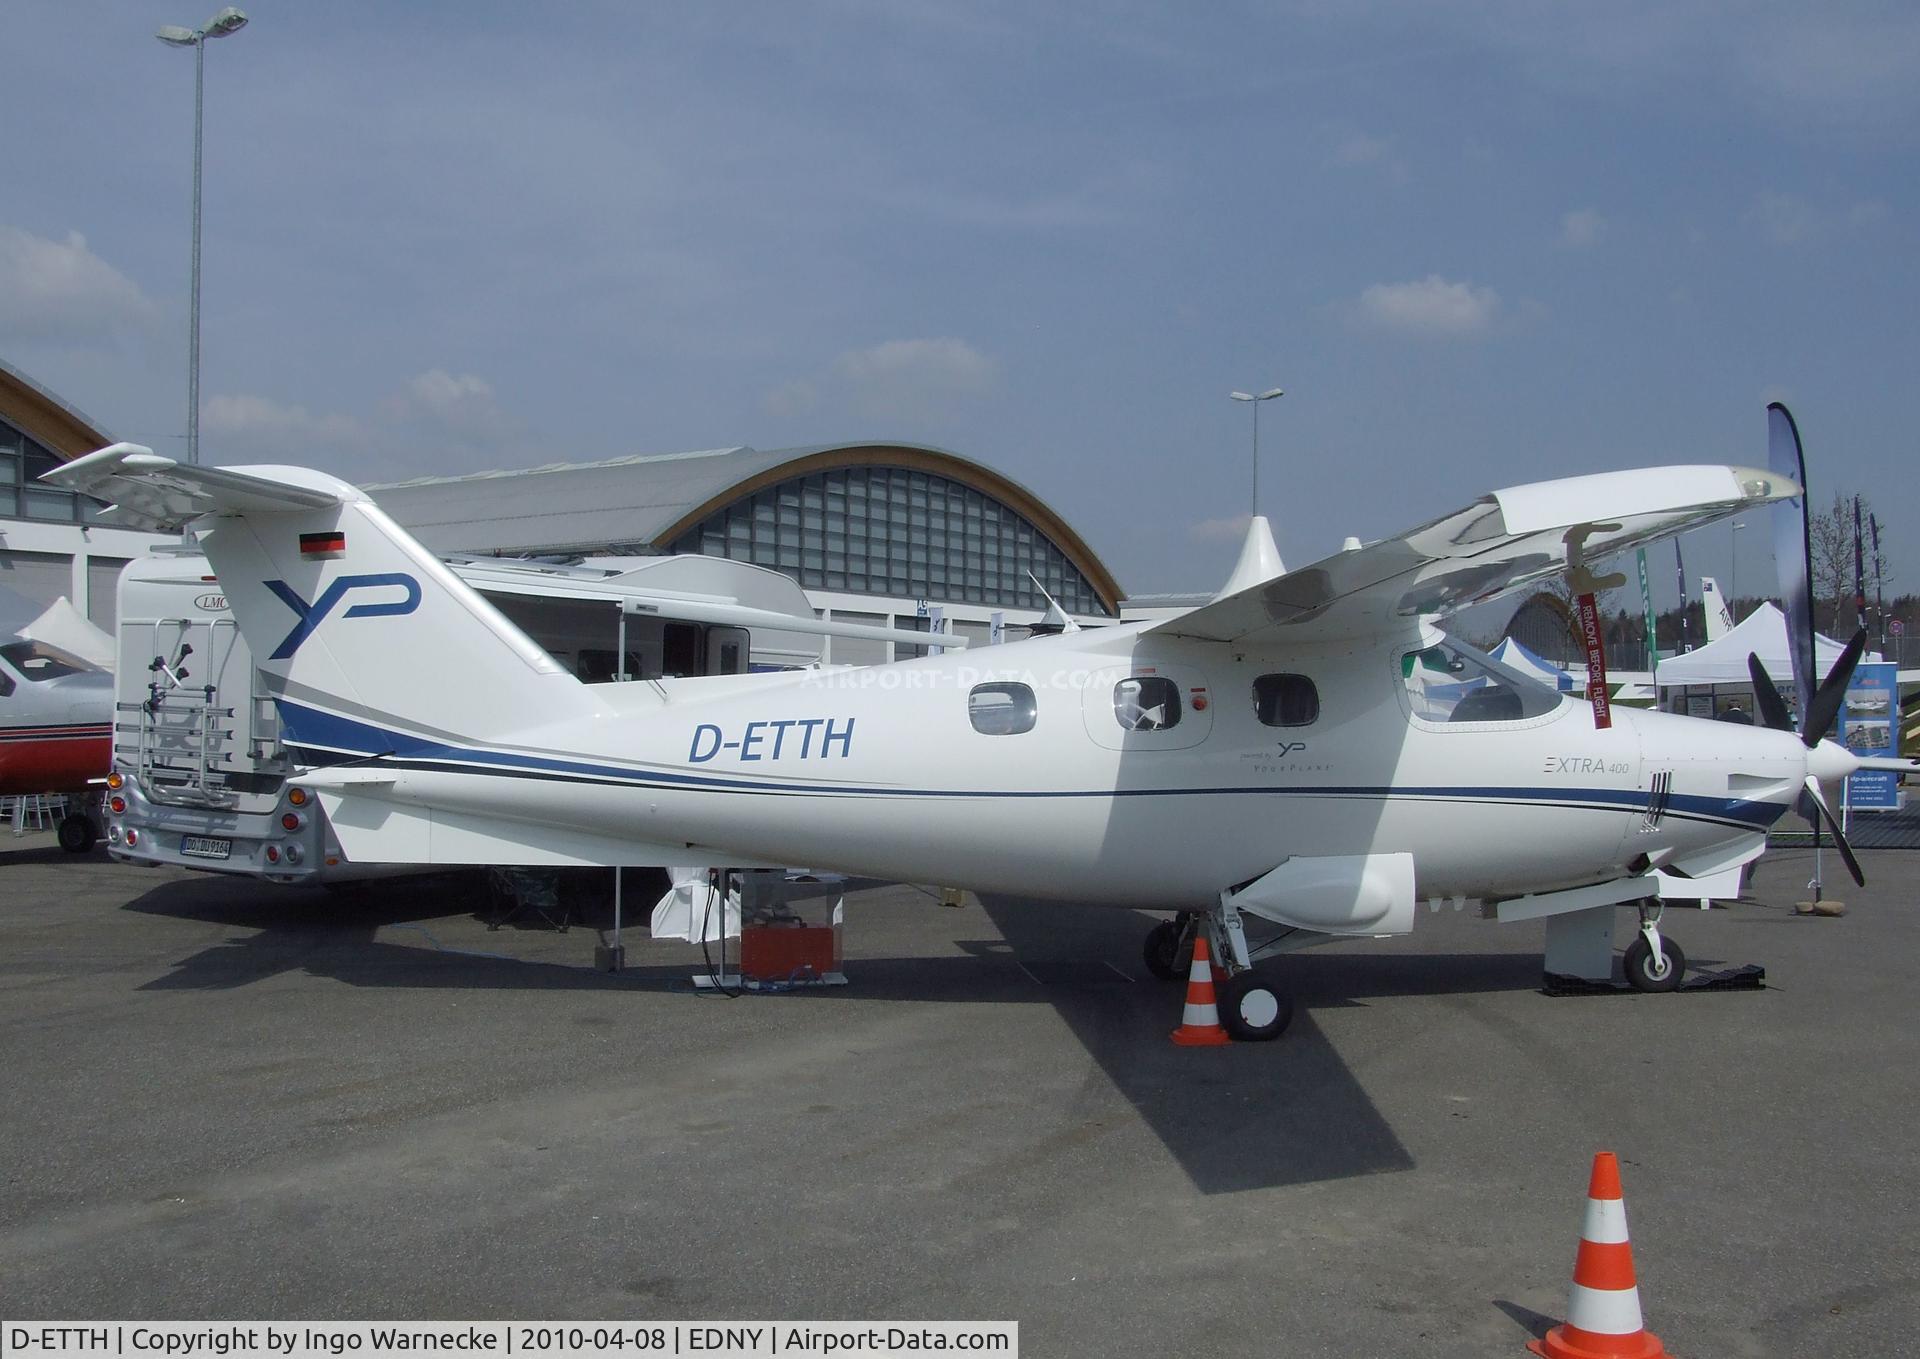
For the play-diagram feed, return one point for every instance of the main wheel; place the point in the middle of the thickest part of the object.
(1163, 954)
(1252, 1011)
(76, 833)
(1644, 974)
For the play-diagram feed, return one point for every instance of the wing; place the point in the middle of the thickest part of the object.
(149, 491)
(1501, 542)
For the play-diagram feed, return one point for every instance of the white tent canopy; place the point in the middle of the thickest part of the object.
(1512, 654)
(66, 627)
(1724, 660)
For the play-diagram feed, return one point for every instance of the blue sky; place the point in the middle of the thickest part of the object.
(1477, 244)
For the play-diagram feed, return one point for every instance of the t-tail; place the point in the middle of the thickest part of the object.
(367, 641)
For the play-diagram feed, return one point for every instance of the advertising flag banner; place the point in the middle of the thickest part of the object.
(1870, 725)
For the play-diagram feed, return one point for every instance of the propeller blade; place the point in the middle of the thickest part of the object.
(1832, 692)
(1766, 697)
(1793, 549)
(1819, 800)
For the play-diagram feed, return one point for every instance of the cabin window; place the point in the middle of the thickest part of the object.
(1286, 700)
(1146, 703)
(1002, 709)
(1453, 682)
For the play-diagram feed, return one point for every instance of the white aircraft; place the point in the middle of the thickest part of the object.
(1308, 748)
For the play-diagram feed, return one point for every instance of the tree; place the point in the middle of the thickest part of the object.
(1830, 540)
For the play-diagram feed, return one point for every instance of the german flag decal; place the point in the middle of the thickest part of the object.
(330, 544)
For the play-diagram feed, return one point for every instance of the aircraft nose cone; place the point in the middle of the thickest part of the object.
(1830, 762)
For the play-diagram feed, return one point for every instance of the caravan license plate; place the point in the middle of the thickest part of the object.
(205, 847)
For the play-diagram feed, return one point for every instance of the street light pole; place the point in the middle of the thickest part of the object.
(228, 20)
(1254, 400)
(1733, 603)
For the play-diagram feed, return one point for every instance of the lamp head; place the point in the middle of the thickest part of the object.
(228, 20)
(175, 36)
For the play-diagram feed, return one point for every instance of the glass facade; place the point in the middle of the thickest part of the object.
(22, 460)
(894, 531)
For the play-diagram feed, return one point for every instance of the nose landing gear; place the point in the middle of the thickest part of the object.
(1251, 1010)
(1652, 962)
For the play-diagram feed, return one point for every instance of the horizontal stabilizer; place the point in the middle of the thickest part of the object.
(149, 491)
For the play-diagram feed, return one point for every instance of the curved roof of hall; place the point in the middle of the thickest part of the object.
(654, 498)
(29, 407)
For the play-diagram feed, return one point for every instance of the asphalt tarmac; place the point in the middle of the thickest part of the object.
(227, 1100)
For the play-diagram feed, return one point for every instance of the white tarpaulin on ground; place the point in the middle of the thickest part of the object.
(689, 907)
(66, 627)
(1724, 661)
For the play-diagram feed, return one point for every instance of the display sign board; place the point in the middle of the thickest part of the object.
(1870, 725)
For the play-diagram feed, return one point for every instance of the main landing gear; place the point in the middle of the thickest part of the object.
(1251, 1010)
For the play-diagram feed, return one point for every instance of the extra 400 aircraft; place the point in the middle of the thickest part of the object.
(1308, 748)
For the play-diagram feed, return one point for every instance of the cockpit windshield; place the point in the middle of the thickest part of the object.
(38, 661)
(1454, 682)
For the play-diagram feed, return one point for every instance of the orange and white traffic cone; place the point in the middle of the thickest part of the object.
(1200, 1025)
(1603, 1314)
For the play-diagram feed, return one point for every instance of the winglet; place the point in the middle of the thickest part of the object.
(150, 491)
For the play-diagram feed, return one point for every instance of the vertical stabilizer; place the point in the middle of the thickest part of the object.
(1717, 609)
(367, 640)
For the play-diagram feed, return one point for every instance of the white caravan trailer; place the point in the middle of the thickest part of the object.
(202, 779)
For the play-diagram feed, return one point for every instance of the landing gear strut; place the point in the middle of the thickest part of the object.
(1652, 962)
(1251, 1010)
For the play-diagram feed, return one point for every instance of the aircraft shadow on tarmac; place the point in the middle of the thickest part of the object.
(1247, 1116)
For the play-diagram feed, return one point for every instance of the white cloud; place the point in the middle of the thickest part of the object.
(1354, 147)
(61, 290)
(1230, 529)
(791, 399)
(458, 404)
(1582, 228)
(915, 377)
(1432, 306)
(452, 413)
(260, 422)
(1869, 212)
(1784, 219)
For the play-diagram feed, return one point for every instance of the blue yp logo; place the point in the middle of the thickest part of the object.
(312, 615)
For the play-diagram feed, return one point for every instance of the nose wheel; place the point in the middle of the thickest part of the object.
(1250, 1009)
(1654, 963)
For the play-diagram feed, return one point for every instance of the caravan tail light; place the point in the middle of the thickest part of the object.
(293, 854)
(297, 796)
(273, 854)
(117, 804)
(114, 780)
(293, 821)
